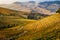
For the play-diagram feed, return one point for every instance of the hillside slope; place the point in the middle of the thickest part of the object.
(45, 29)
(10, 12)
(11, 27)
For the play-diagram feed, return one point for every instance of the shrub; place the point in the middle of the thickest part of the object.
(58, 11)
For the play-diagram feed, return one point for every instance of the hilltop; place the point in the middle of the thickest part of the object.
(11, 13)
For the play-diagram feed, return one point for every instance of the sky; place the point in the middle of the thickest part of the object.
(11, 1)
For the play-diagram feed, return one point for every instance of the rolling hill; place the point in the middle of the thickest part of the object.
(14, 24)
(12, 13)
(8, 21)
(5, 12)
(45, 29)
(10, 27)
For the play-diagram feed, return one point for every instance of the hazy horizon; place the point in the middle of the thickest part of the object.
(11, 1)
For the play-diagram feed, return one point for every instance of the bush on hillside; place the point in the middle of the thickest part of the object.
(34, 16)
(58, 11)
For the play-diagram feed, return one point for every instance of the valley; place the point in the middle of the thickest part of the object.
(36, 21)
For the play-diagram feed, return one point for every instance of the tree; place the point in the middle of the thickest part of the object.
(58, 11)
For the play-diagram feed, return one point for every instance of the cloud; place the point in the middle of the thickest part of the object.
(11, 1)
(7, 1)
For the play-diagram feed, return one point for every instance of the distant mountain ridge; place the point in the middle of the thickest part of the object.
(23, 2)
(42, 7)
(51, 2)
(50, 5)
